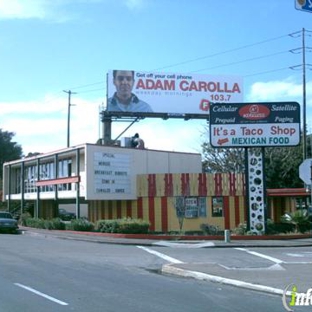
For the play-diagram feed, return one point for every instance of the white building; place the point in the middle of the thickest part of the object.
(84, 173)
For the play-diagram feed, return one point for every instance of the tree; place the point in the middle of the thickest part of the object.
(282, 167)
(8, 150)
(223, 159)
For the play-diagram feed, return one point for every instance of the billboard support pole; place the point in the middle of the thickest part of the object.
(126, 129)
(107, 130)
(256, 191)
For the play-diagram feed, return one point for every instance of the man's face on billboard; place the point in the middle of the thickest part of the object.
(124, 83)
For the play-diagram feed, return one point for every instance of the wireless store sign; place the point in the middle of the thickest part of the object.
(255, 124)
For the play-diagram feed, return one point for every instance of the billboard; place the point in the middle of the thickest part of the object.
(255, 124)
(175, 93)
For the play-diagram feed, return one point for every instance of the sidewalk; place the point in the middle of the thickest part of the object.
(151, 240)
(273, 279)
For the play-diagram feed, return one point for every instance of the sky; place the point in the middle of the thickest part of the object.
(48, 47)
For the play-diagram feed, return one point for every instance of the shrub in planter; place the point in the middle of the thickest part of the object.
(276, 228)
(35, 223)
(125, 226)
(23, 218)
(241, 229)
(107, 226)
(133, 226)
(80, 225)
(54, 224)
(299, 219)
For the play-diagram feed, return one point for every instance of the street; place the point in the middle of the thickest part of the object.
(44, 273)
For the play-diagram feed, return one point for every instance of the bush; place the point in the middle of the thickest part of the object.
(80, 225)
(133, 226)
(35, 223)
(23, 218)
(53, 224)
(241, 229)
(107, 226)
(299, 219)
(276, 228)
(125, 226)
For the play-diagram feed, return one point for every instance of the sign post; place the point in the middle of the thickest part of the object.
(305, 174)
(305, 171)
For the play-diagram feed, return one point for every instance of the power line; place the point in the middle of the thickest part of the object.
(88, 85)
(93, 90)
(221, 53)
(267, 72)
(243, 61)
(294, 34)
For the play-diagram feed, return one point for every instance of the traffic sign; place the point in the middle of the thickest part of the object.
(304, 5)
(305, 171)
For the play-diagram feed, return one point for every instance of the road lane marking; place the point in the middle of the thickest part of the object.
(274, 267)
(184, 244)
(295, 255)
(160, 255)
(41, 294)
(275, 260)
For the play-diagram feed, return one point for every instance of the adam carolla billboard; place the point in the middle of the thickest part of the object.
(151, 92)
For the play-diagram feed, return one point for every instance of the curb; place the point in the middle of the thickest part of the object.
(166, 240)
(170, 269)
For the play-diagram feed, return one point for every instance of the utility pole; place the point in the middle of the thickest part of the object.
(68, 115)
(304, 96)
(303, 66)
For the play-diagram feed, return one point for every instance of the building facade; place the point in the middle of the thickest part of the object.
(166, 188)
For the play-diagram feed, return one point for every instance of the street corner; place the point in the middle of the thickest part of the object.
(213, 272)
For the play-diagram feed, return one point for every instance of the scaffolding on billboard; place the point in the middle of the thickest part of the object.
(107, 117)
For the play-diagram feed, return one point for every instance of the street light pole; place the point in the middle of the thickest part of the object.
(68, 115)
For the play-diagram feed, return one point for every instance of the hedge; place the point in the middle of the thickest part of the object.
(80, 225)
(125, 226)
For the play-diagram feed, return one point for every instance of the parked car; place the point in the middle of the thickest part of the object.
(66, 215)
(7, 222)
(309, 212)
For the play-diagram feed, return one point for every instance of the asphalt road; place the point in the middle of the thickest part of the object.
(43, 273)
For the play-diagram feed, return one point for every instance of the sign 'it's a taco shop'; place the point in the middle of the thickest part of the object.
(255, 124)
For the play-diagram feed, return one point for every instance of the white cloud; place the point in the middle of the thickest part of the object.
(170, 135)
(282, 90)
(23, 9)
(286, 90)
(41, 126)
(53, 10)
(134, 4)
(36, 9)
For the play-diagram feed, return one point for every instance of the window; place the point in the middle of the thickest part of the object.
(30, 179)
(217, 207)
(202, 211)
(47, 172)
(190, 207)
